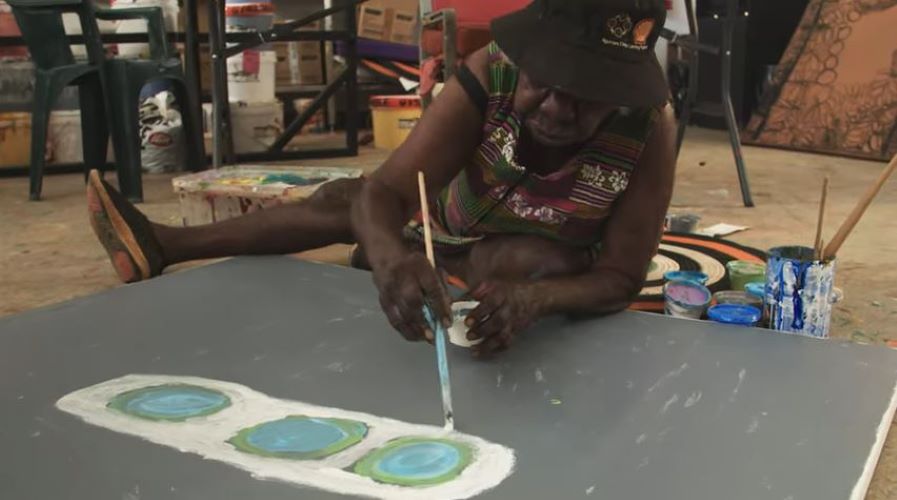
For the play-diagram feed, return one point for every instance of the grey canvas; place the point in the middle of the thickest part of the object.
(632, 406)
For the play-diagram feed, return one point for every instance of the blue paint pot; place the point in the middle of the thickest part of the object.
(695, 276)
(799, 291)
(685, 299)
(735, 314)
(756, 289)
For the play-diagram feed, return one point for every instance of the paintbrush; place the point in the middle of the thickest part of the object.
(844, 231)
(436, 323)
(817, 243)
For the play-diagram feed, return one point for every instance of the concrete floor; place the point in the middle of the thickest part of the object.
(48, 253)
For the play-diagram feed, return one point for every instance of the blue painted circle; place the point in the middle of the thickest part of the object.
(694, 276)
(735, 314)
(425, 460)
(296, 435)
(175, 402)
(756, 288)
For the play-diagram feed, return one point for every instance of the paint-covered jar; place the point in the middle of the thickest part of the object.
(742, 272)
(799, 291)
(735, 314)
(696, 276)
(685, 299)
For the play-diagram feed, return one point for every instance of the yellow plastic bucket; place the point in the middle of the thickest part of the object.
(15, 139)
(394, 116)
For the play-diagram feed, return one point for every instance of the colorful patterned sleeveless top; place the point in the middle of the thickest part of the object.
(497, 195)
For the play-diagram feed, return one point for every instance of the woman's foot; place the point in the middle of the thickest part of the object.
(125, 233)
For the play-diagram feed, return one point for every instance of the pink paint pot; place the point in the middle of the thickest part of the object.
(686, 299)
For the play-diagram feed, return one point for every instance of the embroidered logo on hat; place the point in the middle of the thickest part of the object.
(642, 31)
(619, 25)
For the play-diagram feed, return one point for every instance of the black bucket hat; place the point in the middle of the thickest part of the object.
(597, 50)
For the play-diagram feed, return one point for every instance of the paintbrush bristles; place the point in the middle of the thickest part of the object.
(425, 215)
(844, 231)
(817, 243)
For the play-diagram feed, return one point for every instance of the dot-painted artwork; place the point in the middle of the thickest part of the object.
(416, 462)
(300, 437)
(344, 452)
(171, 402)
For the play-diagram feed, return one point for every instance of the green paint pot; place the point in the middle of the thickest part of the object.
(742, 272)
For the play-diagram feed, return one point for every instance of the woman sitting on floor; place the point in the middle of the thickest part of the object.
(550, 158)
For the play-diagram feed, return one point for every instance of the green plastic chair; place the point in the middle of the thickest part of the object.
(55, 68)
(125, 78)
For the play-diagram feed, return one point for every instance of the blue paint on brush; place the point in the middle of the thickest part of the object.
(442, 365)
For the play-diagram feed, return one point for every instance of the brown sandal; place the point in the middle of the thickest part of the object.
(124, 232)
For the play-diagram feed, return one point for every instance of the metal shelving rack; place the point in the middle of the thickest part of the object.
(218, 40)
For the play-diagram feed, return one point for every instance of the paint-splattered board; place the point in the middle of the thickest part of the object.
(632, 406)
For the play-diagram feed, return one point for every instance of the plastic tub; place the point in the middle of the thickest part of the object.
(394, 116)
(742, 272)
(735, 314)
(696, 276)
(685, 299)
(251, 76)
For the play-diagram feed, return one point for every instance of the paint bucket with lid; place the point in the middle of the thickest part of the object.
(394, 116)
(738, 298)
(742, 272)
(735, 314)
(250, 76)
(799, 291)
(685, 299)
(696, 276)
(15, 139)
(756, 289)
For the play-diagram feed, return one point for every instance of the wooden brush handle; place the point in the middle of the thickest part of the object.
(844, 231)
(425, 215)
(817, 243)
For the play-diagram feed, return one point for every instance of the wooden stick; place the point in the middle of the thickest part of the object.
(425, 214)
(844, 231)
(817, 244)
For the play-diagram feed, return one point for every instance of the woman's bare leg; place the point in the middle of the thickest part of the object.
(320, 220)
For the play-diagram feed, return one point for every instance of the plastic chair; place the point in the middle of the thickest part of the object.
(125, 78)
(55, 68)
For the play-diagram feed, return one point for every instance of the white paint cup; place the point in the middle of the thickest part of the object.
(458, 331)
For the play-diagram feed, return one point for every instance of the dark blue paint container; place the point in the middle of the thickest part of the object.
(735, 314)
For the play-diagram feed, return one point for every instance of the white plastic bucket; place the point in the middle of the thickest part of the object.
(251, 76)
(64, 144)
(64, 137)
(255, 125)
(141, 50)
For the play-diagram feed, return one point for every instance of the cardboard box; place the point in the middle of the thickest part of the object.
(309, 69)
(202, 17)
(283, 72)
(404, 27)
(373, 22)
(388, 20)
(406, 5)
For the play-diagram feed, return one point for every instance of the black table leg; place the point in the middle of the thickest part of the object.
(192, 71)
(222, 145)
(728, 108)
